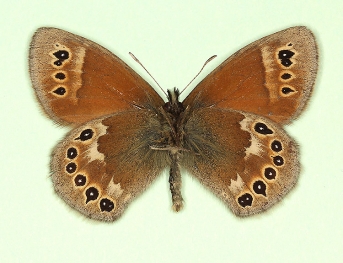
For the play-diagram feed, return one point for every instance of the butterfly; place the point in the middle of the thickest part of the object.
(227, 133)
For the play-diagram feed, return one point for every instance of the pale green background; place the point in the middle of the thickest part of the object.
(172, 39)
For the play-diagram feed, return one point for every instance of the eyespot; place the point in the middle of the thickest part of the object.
(276, 146)
(60, 91)
(71, 153)
(106, 205)
(270, 173)
(286, 76)
(61, 54)
(71, 167)
(278, 160)
(80, 180)
(287, 90)
(260, 187)
(284, 56)
(245, 200)
(58, 63)
(91, 194)
(262, 128)
(60, 76)
(85, 135)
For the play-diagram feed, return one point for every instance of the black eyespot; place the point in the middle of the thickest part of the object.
(262, 128)
(60, 91)
(278, 160)
(106, 205)
(71, 168)
(286, 90)
(286, 62)
(85, 135)
(286, 76)
(61, 54)
(270, 173)
(245, 200)
(71, 153)
(260, 188)
(276, 146)
(80, 180)
(284, 56)
(58, 63)
(60, 76)
(92, 194)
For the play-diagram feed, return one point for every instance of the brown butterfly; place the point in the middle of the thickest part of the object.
(227, 133)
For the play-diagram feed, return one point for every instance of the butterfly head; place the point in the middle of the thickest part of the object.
(173, 106)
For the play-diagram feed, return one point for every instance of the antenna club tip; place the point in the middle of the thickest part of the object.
(208, 60)
(213, 57)
(133, 56)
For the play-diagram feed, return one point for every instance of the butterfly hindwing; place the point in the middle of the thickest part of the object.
(247, 160)
(102, 165)
(77, 80)
(271, 77)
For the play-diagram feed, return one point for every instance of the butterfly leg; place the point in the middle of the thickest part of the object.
(175, 182)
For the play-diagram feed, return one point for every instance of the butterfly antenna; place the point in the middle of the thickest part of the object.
(207, 61)
(137, 60)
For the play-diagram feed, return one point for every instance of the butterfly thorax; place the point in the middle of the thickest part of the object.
(173, 111)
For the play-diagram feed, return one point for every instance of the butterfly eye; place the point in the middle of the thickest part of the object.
(260, 187)
(80, 180)
(270, 173)
(106, 205)
(245, 200)
(262, 128)
(92, 194)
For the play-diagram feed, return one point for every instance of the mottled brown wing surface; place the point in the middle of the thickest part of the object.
(247, 160)
(272, 77)
(102, 165)
(77, 80)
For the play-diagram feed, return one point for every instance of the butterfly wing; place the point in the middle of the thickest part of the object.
(77, 80)
(272, 77)
(247, 160)
(103, 164)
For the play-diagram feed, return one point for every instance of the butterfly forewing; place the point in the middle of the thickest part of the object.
(77, 80)
(272, 77)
